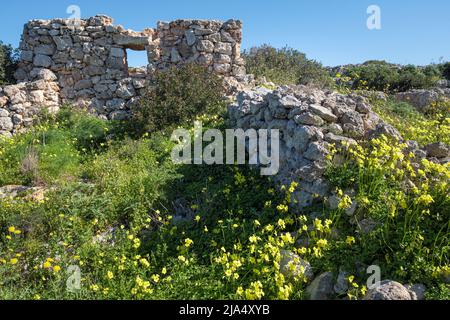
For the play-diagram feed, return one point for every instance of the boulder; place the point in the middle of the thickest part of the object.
(322, 287)
(388, 290)
(292, 266)
(437, 150)
(309, 118)
(417, 291)
(323, 112)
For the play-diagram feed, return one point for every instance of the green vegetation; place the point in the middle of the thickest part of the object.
(383, 76)
(446, 70)
(434, 126)
(285, 66)
(8, 63)
(140, 227)
(178, 95)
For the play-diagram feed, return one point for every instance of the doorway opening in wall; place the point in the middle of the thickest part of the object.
(137, 61)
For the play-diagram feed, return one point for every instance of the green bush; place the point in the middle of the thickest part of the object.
(383, 76)
(446, 70)
(177, 96)
(285, 66)
(8, 63)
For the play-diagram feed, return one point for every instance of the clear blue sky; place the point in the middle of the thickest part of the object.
(333, 32)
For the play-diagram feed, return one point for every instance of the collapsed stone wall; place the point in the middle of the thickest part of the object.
(86, 61)
(309, 121)
(211, 43)
(20, 103)
(422, 99)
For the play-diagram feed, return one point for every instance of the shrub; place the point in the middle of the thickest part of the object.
(446, 70)
(285, 66)
(383, 76)
(177, 96)
(8, 63)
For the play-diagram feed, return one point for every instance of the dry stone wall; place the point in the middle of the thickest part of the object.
(422, 99)
(84, 62)
(20, 103)
(309, 121)
(211, 43)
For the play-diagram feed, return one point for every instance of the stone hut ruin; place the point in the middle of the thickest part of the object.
(84, 62)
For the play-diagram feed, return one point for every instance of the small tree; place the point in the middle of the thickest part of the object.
(177, 96)
(285, 66)
(446, 71)
(8, 63)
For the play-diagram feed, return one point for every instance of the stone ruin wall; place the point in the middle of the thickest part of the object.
(310, 121)
(84, 62)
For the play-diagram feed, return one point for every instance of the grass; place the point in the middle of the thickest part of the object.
(139, 227)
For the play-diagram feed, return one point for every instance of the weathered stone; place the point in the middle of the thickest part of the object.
(335, 129)
(119, 115)
(117, 52)
(338, 140)
(222, 68)
(316, 152)
(190, 37)
(386, 130)
(292, 266)
(135, 42)
(41, 60)
(224, 48)
(18, 98)
(363, 108)
(388, 290)
(6, 124)
(322, 287)
(353, 118)
(341, 285)
(83, 84)
(45, 49)
(222, 58)
(309, 119)
(43, 74)
(125, 91)
(17, 119)
(417, 291)
(421, 99)
(63, 42)
(438, 150)
(37, 96)
(289, 102)
(323, 112)
(175, 56)
(205, 46)
(4, 113)
(26, 56)
(205, 59)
